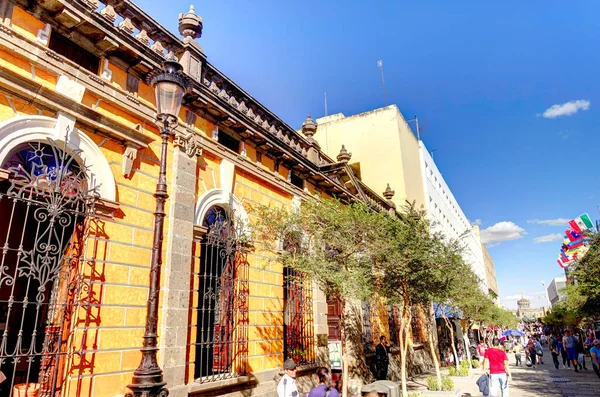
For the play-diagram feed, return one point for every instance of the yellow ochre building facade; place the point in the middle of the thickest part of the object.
(79, 159)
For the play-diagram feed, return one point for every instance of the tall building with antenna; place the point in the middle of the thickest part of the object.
(385, 151)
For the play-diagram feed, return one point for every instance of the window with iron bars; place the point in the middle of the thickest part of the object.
(299, 337)
(219, 328)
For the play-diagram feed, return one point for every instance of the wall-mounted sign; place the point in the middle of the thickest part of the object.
(335, 354)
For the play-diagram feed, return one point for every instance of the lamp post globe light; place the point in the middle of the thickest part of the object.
(170, 84)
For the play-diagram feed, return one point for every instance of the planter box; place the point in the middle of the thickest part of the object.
(454, 393)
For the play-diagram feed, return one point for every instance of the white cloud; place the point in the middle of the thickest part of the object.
(548, 238)
(551, 222)
(566, 109)
(477, 222)
(502, 231)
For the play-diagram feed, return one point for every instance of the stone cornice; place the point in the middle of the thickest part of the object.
(93, 27)
(42, 97)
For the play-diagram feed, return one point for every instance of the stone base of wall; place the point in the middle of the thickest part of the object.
(418, 361)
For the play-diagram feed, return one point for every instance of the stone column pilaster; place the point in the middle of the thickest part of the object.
(177, 271)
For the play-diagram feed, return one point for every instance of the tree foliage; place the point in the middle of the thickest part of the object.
(356, 253)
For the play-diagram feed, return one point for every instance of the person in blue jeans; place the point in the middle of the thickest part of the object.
(595, 353)
(570, 344)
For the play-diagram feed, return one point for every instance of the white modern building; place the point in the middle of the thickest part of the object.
(555, 290)
(447, 216)
(386, 152)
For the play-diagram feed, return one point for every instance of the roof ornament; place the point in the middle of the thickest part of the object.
(344, 156)
(309, 127)
(389, 193)
(190, 25)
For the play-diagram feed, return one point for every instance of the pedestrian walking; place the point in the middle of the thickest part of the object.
(560, 348)
(287, 385)
(517, 349)
(325, 387)
(382, 358)
(539, 351)
(554, 353)
(571, 346)
(595, 353)
(580, 352)
(481, 348)
(495, 364)
(531, 353)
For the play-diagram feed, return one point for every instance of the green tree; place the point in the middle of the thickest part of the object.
(583, 296)
(410, 271)
(335, 244)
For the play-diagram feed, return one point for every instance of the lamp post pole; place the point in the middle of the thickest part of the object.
(169, 83)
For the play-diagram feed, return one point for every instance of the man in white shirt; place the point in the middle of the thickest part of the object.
(287, 384)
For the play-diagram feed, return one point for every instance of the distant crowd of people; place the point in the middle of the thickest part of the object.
(572, 349)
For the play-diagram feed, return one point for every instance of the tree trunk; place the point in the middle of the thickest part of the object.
(404, 348)
(452, 341)
(345, 366)
(434, 353)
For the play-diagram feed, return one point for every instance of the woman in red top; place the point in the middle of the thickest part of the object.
(495, 364)
(481, 348)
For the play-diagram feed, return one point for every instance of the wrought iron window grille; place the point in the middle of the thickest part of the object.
(299, 338)
(47, 225)
(219, 329)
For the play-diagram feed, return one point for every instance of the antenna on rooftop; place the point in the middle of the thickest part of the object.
(380, 66)
(416, 120)
(326, 114)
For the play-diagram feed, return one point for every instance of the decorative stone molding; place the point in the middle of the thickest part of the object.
(106, 72)
(68, 19)
(188, 142)
(43, 35)
(158, 48)
(142, 37)
(128, 159)
(91, 4)
(6, 11)
(127, 26)
(109, 13)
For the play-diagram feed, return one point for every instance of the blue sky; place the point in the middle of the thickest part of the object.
(479, 76)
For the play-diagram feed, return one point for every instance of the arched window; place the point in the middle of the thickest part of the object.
(43, 208)
(220, 299)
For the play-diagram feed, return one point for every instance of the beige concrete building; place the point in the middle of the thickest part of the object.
(384, 150)
(490, 270)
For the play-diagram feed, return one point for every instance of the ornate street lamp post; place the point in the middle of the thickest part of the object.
(169, 83)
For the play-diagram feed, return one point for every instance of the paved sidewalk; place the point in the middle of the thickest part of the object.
(544, 381)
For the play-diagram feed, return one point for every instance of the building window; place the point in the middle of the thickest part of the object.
(229, 142)
(297, 181)
(219, 328)
(132, 84)
(299, 339)
(65, 47)
(298, 328)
